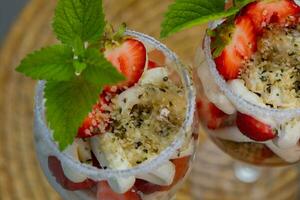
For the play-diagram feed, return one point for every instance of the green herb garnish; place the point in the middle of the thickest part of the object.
(75, 70)
(184, 14)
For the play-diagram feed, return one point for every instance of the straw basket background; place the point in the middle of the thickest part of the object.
(20, 176)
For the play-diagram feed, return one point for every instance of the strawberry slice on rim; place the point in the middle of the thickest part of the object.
(104, 192)
(240, 40)
(129, 58)
(253, 128)
(265, 12)
(56, 169)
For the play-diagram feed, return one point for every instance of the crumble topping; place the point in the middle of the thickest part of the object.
(273, 72)
(151, 124)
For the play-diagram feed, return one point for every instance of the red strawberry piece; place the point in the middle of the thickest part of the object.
(57, 171)
(245, 37)
(210, 114)
(241, 39)
(104, 192)
(98, 120)
(181, 167)
(229, 63)
(129, 58)
(217, 117)
(152, 64)
(253, 128)
(271, 11)
(147, 187)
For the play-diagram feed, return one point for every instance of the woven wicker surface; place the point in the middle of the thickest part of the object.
(20, 176)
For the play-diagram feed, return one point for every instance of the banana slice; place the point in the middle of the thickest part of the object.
(154, 76)
(127, 99)
(289, 135)
(84, 150)
(110, 154)
(163, 175)
(73, 175)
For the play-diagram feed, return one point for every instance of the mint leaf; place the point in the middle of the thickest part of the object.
(99, 70)
(79, 66)
(79, 18)
(68, 103)
(75, 72)
(183, 14)
(51, 63)
(78, 46)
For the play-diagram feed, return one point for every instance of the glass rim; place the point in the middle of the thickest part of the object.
(240, 102)
(100, 174)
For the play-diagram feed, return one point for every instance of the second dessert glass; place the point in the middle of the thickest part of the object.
(96, 179)
(254, 157)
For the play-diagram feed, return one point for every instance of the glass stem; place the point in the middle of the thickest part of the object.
(246, 173)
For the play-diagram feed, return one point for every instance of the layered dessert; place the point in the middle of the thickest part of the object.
(251, 74)
(131, 125)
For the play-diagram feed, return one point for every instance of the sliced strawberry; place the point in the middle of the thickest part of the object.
(152, 64)
(240, 41)
(181, 167)
(57, 171)
(129, 58)
(147, 187)
(210, 114)
(217, 117)
(229, 63)
(104, 192)
(271, 11)
(98, 120)
(245, 37)
(253, 128)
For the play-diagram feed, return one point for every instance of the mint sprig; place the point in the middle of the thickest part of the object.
(78, 19)
(184, 14)
(75, 71)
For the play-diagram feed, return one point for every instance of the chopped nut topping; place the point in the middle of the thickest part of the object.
(273, 73)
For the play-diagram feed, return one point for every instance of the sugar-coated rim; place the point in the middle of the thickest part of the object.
(278, 114)
(100, 174)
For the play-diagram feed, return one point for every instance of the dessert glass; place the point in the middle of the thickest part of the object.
(228, 137)
(46, 147)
